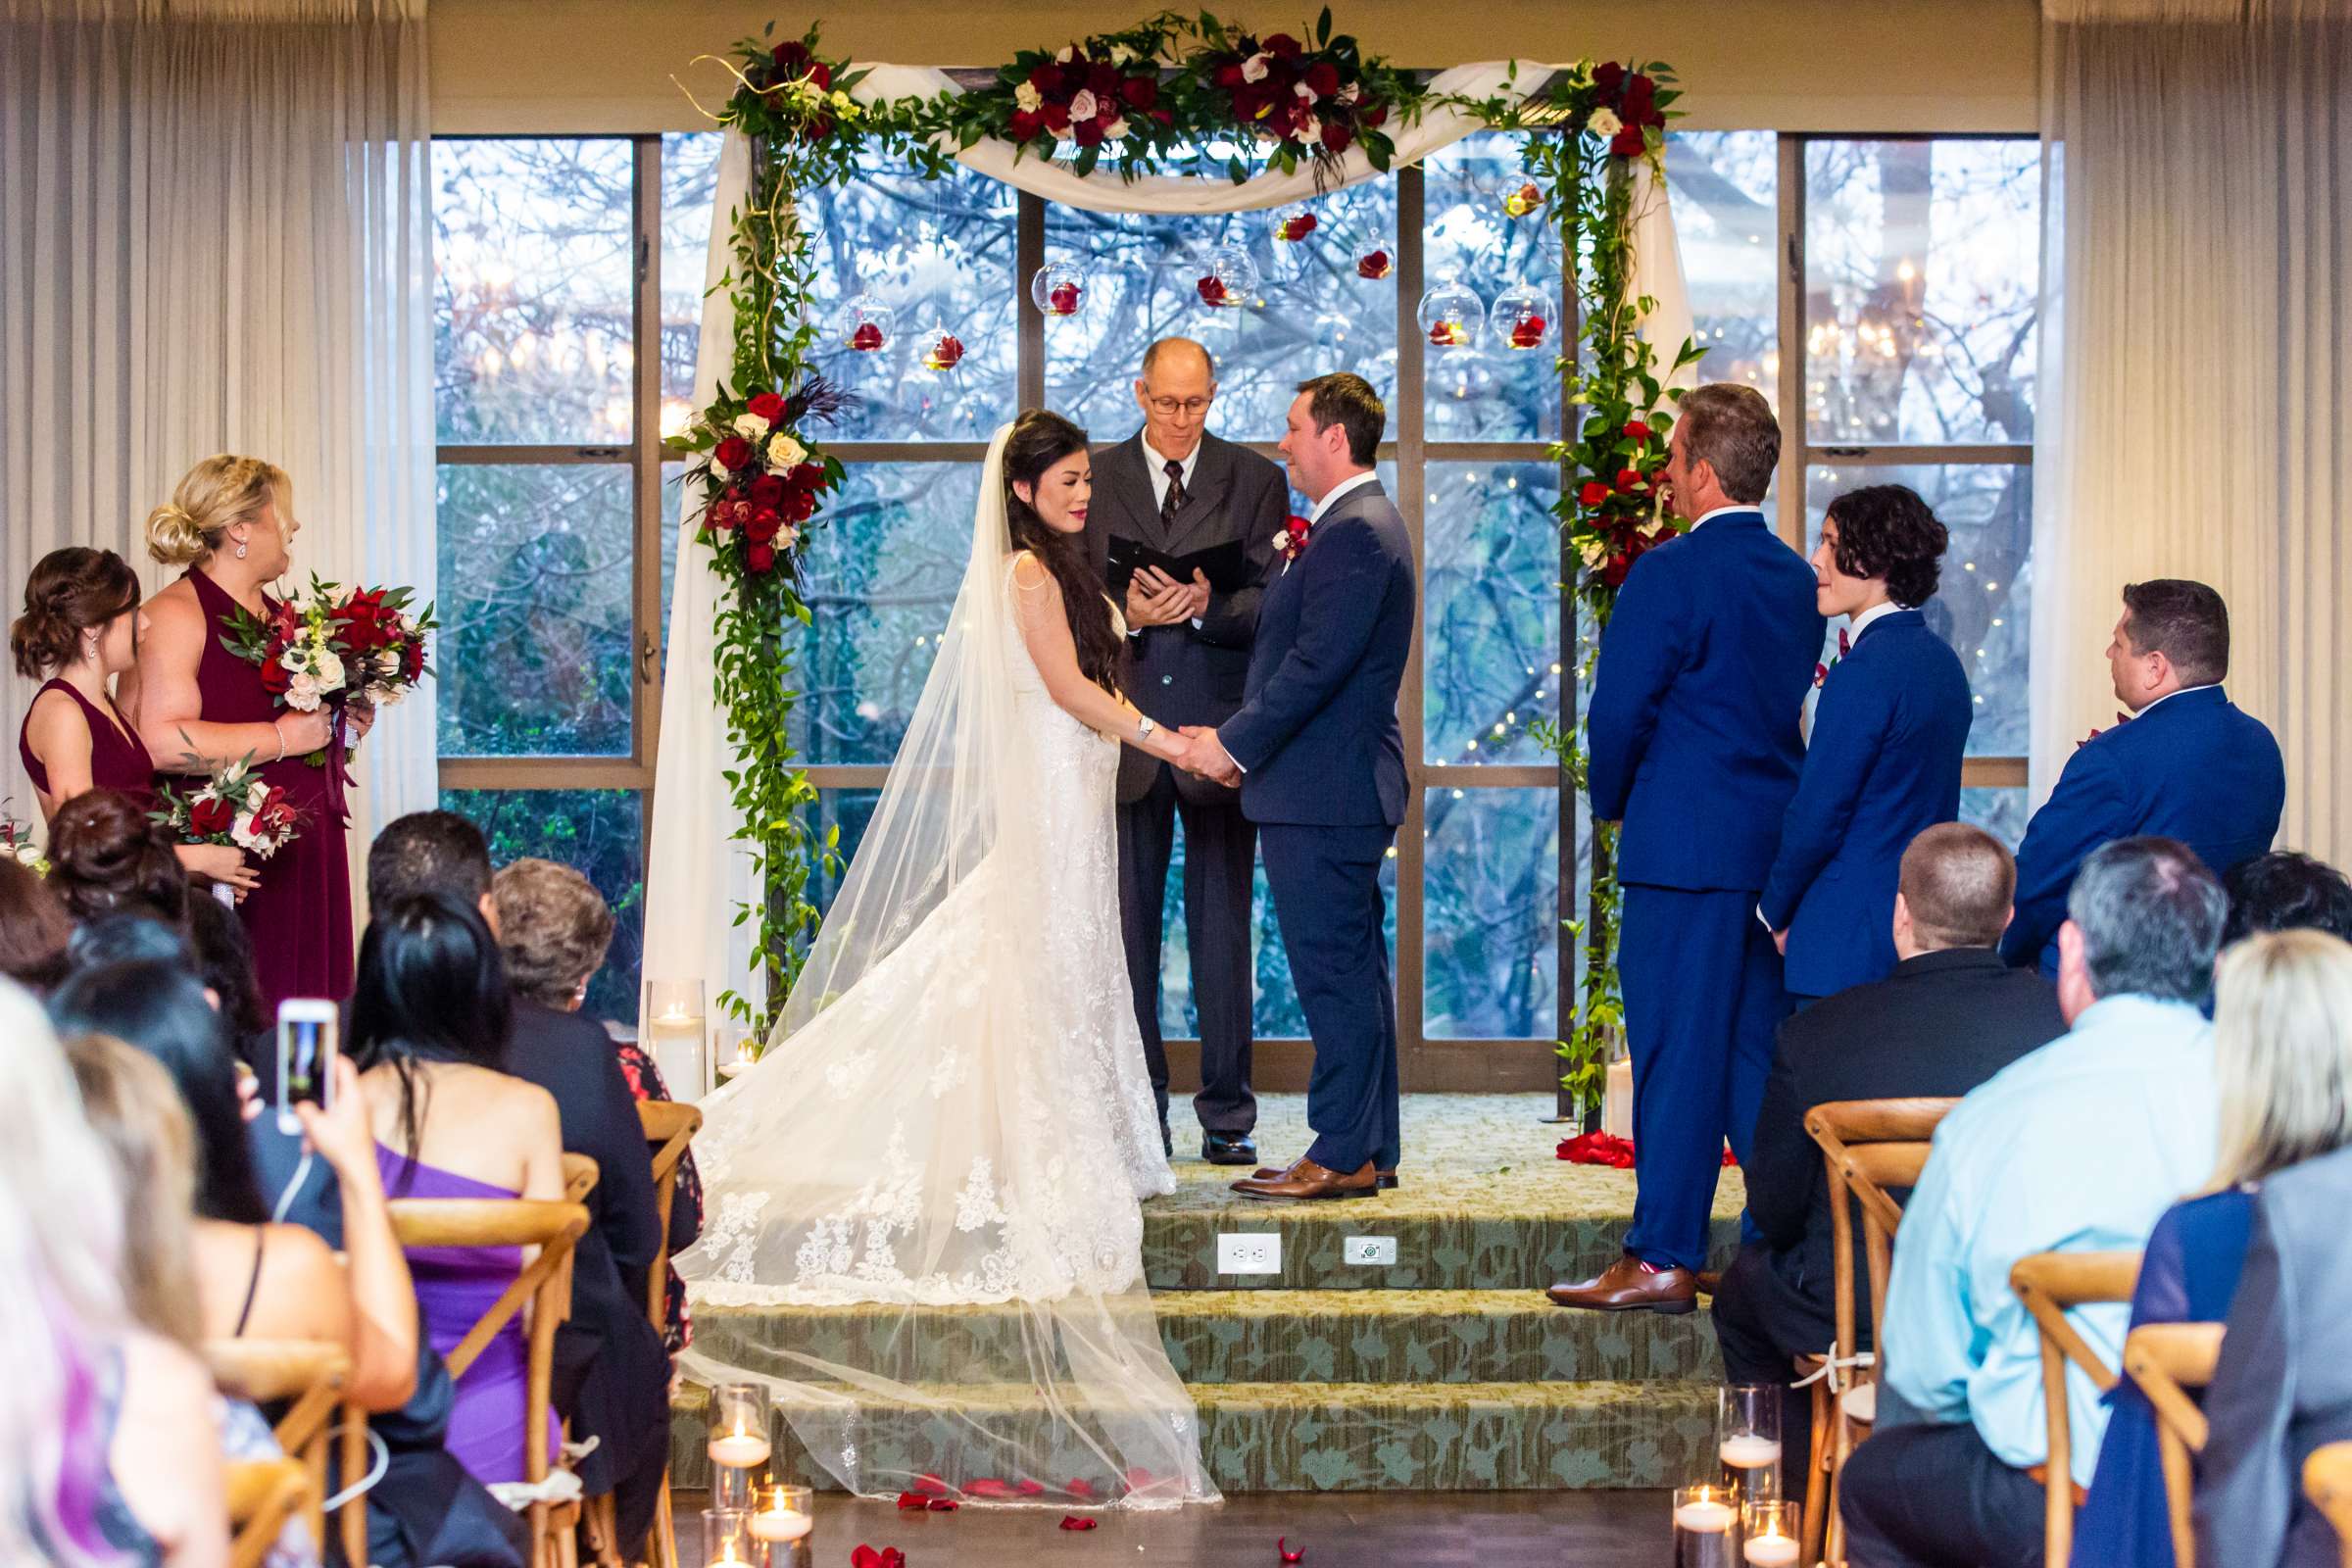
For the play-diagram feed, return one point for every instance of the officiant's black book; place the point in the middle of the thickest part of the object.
(1227, 565)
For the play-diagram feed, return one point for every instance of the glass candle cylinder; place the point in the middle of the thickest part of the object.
(727, 1541)
(1703, 1517)
(675, 1036)
(1769, 1533)
(738, 1426)
(783, 1520)
(1748, 1437)
(731, 1488)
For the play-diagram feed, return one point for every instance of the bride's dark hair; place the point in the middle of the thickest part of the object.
(1040, 439)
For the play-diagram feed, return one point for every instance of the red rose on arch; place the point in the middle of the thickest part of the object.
(1609, 77)
(769, 406)
(1090, 133)
(768, 490)
(1375, 117)
(1613, 573)
(798, 506)
(1024, 126)
(1627, 143)
(1229, 76)
(1282, 46)
(1336, 137)
(761, 529)
(1139, 92)
(1047, 78)
(1593, 493)
(761, 559)
(1323, 78)
(808, 475)
(1058, 118)
(733, 453)
(1628, 479)
(211, 816)
(1102, 78)
(1635, 430)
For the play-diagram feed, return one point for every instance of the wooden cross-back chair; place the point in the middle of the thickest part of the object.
(262, 1494)
(307, 1376)
(2048, 1284)
(2167, 1361)
(670, 1126)
(544, 1287)
(1869, 1150)
(2327, 1483)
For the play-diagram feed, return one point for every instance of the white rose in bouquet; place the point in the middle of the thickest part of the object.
(302, 692)
(783, 452)
(750, 426)
(242, 830)
(1084, 105)
(329, 666)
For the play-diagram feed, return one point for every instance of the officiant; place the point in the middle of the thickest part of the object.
(1183, 528)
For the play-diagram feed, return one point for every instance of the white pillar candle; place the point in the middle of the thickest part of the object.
(1770, 1552)
(1702, 1517)
(739, 1450)
(1745, 1450)
(781, 1524)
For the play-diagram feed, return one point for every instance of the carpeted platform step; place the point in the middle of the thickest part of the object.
(1269, 1336)
(1351, 1437)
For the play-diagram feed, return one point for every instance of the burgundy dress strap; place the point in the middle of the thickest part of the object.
(119, 758)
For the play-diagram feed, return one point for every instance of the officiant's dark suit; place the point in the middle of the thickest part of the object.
(1191, 672)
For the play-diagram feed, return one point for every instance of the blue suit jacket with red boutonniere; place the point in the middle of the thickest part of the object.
(2190, 767)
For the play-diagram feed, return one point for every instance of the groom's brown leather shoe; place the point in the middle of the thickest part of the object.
(1628, 1285)
(1306, 1181)
(1387, 1177)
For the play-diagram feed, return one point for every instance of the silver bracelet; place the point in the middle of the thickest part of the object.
(280, 733)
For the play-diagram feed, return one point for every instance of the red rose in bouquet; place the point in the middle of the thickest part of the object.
(210, 817)
(329, 645)
(769, 406)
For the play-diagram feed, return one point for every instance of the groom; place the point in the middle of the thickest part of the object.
(1317, 752)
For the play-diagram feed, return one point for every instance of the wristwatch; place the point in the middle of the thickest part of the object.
(1144, 727)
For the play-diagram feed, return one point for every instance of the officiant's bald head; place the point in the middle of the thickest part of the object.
(1177, 384)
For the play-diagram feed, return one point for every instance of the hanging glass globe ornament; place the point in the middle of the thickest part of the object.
(1293, 225)
(1523, 199)
(1450, 317)
(866, 325)
(1060, 288)
(1521, 317)
(1229, 279)
(938, 346)
(1375, 264)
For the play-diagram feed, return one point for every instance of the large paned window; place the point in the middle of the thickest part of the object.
(571, 275)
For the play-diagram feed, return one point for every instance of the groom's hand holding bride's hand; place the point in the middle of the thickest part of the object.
(1205, 754)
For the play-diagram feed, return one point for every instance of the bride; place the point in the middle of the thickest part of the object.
(946, 1144)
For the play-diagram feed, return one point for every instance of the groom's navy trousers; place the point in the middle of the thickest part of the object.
(1323, 777)
(1695, 741)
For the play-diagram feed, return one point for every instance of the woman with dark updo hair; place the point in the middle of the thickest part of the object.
(80, 629)
(1883, 762)
(105, 858)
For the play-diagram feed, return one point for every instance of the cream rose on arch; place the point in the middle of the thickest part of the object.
(783, 452)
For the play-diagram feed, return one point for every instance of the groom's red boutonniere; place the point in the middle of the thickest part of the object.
(1845, 645)
(1292, 538)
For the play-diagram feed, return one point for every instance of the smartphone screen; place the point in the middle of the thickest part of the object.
(306, 1056)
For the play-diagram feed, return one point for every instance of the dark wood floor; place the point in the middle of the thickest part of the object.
(1337, 1530)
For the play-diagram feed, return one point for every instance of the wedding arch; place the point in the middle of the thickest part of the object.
(1177, 114)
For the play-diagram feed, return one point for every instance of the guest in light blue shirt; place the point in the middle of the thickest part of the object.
(2076, 1147)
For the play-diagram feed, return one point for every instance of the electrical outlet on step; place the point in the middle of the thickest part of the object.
(1369, 1252)
(1259, 1253)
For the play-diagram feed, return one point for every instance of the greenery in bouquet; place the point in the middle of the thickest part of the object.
(233, 807)
(16, 843)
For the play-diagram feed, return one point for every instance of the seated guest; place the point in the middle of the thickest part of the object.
(1950, 1016)
(1883, 764)
(112, 1452)
(554, 928)
(2282, 1049)
(685, 1202)
(428, 1027)
(105, 858)
(134, 1107)
(2078, 1146)
(256, 1279)
(2284, 891)
(2187, 766)
(223, 956)
(2280, 1390)
(34, 928)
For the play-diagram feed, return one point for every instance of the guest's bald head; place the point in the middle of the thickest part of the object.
(1955, 889)
(1178, 383)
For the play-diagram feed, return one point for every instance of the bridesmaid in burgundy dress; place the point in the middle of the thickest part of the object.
(231, 522)
(81, 627)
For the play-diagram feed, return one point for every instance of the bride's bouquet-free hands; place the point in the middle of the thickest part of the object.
(235, 809)
(335, 645)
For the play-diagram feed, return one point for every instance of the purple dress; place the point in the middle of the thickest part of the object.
(300, 916)
(119, 758)
(455, 1287)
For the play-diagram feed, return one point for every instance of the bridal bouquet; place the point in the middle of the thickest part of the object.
(235, 807)
(331, 645)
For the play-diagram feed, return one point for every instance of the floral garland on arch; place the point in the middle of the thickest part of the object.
(1176, 93)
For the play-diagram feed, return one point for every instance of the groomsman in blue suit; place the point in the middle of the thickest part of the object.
(1884, 763)
(1695, 741)
(1320, 762)
(2187, 765)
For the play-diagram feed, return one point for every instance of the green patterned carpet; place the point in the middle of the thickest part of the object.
(1446, 1371)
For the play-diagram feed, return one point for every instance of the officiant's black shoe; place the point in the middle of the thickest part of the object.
(1228, 1148)
(1307, 1181)
(1386, 1179)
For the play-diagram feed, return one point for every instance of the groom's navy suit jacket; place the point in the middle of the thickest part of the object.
(2192, 766)
(1697, 703)
(1884, 767)
(1316, 735)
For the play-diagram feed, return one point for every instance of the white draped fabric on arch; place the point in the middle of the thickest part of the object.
(696, 881)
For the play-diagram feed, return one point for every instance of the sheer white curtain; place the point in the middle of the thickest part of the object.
(216, 240)
(2197, 323)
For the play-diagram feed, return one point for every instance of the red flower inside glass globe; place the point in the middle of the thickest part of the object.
(944, 353)
(1527, 333)
(867, 338)
(1522, 201)
(1375, 264)
(1296, 229)
(1063, 300)
(1213, 291)
(1449, 333)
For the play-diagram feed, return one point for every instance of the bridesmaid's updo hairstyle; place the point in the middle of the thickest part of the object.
(1040, 439)
(70, 591)
(215, 495)
(105, 858)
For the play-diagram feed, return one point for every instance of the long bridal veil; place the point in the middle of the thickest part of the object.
(928, 1165)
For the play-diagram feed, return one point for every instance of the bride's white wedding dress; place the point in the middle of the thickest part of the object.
(954, 1114)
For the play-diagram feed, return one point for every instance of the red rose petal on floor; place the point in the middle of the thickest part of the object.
(1282, 1551)
(913, 1499)
(943, 1505)
(867, 1557)
(1031, 1489)
(1070, 1521)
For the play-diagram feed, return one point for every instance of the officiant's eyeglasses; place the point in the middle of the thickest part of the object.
(1179, 405)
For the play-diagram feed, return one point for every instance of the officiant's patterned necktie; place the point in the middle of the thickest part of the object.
(1173, 501)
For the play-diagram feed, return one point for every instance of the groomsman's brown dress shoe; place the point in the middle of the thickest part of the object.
(1388, 1178)
(1628, 1285)
(1306, 1181)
